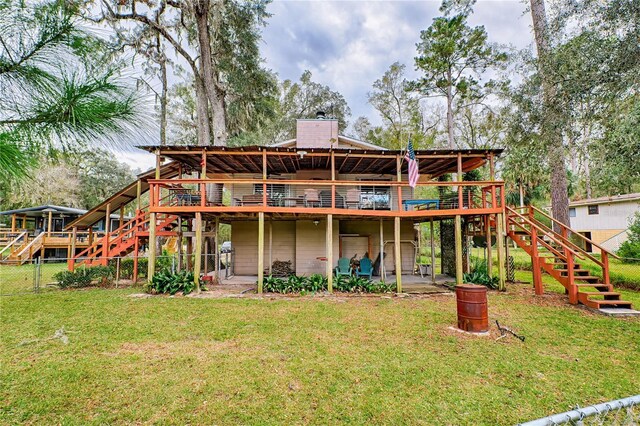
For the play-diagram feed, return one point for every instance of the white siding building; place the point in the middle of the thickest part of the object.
(604, 220)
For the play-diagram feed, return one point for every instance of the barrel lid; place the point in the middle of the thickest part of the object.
(471, 286)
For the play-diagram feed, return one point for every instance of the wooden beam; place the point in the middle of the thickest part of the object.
(398, 256)
(49, 223)
(458, 249)
(151, 266)
(433, 253)
(197, 263)
(216, 249)
(138, 194)
(13, 222)
(501, 259)
(329, 253)
(260, 251)
(382, 271)
(270, 246)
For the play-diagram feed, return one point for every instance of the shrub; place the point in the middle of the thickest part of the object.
(84, 277)
(165, 282)
(480, 275)
(317, 282)
(629, 251)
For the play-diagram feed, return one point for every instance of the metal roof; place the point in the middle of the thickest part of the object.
(124, 196)
(231, 160)
(40, 209)
(606, 200)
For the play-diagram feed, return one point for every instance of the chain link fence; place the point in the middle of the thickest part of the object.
(41, 274)
(621, 412)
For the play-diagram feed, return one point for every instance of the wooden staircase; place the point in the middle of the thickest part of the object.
(21, 249)
(554, 253)
(125, 239)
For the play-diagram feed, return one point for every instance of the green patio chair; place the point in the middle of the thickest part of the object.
(344, 267)
(365, 269)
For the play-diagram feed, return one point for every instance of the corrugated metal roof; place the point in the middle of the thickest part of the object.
(605, 200)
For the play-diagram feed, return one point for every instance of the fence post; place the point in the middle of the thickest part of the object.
(38, 273)
(117, 271)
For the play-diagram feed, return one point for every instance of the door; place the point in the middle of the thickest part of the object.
(587, 246)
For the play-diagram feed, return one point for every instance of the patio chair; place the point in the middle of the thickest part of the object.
(353, 198)
(311, 198)
(365, 269)
(344, 267)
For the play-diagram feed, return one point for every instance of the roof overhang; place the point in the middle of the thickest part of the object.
(283, 160)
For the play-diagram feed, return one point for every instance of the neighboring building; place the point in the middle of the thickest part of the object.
(604, 220)
(40, 231)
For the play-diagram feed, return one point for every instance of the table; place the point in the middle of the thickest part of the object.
(421, 204)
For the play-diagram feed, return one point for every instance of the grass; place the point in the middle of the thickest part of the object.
(306, 360)
(19, 279)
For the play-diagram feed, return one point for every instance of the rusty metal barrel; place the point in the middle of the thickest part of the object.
(473, 314)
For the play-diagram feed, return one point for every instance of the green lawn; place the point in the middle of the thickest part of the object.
(308, 360)
(19, 279)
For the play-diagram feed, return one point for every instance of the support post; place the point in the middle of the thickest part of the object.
(13, 222)
(151, 266)
(535, 260)
(501, 259)
(121, 217)
(24, 222)
(197, 262)
(329, 251)
(260, 251)
(270, 246)
(216, 249)
(49, 223)
(180, 244)
(71, 261)
(382, 271)
(138, 195)
(571, 283)
(487, 225)
(458, 249)
(433, 253)
(398, 256)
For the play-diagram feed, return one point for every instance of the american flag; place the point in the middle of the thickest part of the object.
(410, 156)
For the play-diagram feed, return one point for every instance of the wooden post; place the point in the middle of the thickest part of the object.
(151, 267)
(433, 253)
(264, 185)
(260, 251)
(329, 250)
(197, 263)
(399, 178)
(535, 260)
(458, 249)
(49, 223)
(216, 258)
(138, 194)
(24, 222)
(396, 241)
(121, 216)
(105, 239)
(270, 246)
(107, 219)
(487, 225)
(460, 198)
(180, 244)
(501, 259)
(71, 261)
(382, 271)
(571, 283)
(13, 222)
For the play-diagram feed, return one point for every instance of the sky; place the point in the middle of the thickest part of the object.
(347, 45)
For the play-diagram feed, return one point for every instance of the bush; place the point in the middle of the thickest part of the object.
(163, 263)
(84, 277)
(629, 251)
(317, 282)
(165, 282)
(480, 275)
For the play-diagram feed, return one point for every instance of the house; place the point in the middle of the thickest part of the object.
(604, 220)
(40, 231)
(321, 197)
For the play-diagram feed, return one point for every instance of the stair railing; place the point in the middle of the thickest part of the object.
(13, 242)
(603, 262)
(29, 248)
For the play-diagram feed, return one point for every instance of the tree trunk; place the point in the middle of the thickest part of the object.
(450, 112)
(213, 91)
(163, 102)
(551, 120)
(202, 108)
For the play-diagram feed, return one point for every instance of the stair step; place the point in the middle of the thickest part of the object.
(586, 278)
(596, 304)
(598, 285)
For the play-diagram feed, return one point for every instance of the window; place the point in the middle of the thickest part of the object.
(572, 212)
(593, 209)
(375, 197)
(276, 191)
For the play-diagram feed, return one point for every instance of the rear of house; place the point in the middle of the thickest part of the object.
(604, 220)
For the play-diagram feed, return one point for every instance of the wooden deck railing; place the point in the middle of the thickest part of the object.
(364, 197)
